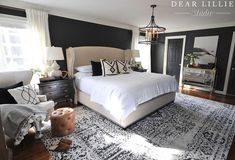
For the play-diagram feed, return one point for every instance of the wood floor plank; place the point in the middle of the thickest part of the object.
(30, 149)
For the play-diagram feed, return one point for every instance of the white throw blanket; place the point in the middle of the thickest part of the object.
(121, 94)
(18, 118)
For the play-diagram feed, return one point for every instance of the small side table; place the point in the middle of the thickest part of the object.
(62, 121)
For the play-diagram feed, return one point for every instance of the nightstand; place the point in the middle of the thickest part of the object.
(140, 70)
(60, 91)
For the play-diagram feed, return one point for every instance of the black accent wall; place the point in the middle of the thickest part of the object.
(222, 54)
(65, 32)
(12, 11)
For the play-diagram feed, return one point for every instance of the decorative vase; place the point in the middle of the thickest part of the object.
(192, 61)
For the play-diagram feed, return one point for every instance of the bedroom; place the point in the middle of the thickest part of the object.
(195, 52)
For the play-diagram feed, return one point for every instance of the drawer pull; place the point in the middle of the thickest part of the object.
(51, 87)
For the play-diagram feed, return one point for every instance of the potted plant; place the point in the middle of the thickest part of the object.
(190, 57)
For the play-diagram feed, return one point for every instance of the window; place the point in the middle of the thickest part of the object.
(145, 56)
(13, 45)
(18, 48)
(145, 50)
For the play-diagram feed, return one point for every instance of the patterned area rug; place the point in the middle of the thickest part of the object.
(190, 128)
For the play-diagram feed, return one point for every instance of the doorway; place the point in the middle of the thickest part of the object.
(174, 56)
(229, 85)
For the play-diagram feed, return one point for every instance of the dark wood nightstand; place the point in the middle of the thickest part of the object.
(137, 69)
(141, 70)
(60, 91)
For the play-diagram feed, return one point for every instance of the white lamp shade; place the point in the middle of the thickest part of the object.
(135, 53)
(54, 53)
(131, 53)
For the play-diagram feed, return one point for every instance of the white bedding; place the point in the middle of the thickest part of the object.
(121, 94)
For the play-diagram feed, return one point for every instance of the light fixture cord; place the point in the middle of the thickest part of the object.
(153, 11)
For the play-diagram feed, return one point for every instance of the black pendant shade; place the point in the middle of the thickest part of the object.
(151, 31)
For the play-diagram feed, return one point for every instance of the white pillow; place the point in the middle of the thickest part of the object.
(24, 95)
(109, 67)
(84, 69)
(80, 75)
(123, 66)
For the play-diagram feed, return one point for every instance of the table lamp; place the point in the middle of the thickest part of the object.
(131, 55)
(53, 54)
(135, 53)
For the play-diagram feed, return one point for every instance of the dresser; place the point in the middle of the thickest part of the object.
(199, 78)
(60, 91)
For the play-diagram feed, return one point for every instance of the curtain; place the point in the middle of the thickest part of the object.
(38, 24)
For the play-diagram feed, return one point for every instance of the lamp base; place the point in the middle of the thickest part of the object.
(55, 66)
(55, 73)
(55, 70)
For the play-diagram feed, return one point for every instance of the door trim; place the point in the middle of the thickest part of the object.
(229, 65)
(182, 58)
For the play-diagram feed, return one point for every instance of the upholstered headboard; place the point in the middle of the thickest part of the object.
(79, 56)
(13, 77)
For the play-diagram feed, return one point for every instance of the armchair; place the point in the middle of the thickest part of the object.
(13, 77)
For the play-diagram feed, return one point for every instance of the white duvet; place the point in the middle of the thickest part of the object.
(121, 94)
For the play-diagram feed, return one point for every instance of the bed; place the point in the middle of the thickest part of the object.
(80, 56)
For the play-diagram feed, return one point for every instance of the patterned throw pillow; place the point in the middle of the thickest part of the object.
(109, 67)
(123, 66)
(24, 95)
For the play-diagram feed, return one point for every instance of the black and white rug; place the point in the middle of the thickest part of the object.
(190, 128)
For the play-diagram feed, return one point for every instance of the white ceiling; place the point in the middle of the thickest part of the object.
(138, 12)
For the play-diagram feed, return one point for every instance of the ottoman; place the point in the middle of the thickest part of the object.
(62, 121)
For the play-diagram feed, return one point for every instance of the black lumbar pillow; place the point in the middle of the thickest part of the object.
(96, 68)
(6, 97)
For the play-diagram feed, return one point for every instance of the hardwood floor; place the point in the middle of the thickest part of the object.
(31, 149)
(207, 95)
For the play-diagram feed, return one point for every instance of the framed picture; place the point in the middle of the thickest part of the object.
(205, 49)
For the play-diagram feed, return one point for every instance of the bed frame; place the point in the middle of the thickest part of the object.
(80, 56)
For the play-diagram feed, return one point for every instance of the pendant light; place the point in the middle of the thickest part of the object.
(151, 31)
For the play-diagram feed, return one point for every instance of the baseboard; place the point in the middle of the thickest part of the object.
(220, 92)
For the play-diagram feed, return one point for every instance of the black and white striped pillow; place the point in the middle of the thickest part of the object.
(109, 67)
(123, 66)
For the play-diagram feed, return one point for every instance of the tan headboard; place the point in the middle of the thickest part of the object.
(80, 56)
